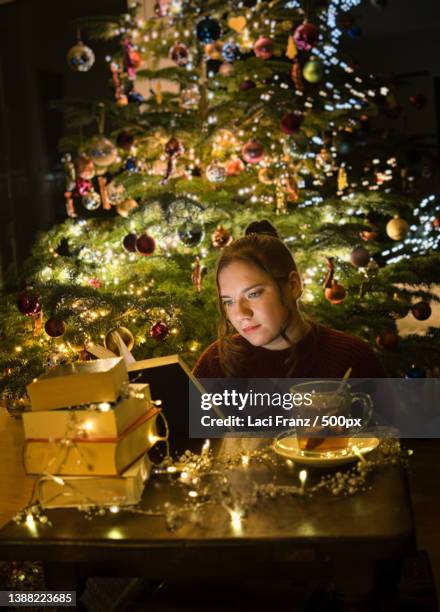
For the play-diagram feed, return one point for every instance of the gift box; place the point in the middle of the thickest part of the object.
(104, 419)
(79, 383)
(91, 454)
(74, 491)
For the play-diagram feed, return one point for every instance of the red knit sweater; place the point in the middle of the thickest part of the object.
(322, 353)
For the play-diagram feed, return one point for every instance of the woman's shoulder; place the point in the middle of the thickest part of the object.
(208, 364)
(355, 352)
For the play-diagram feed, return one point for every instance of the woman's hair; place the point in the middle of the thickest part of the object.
(260, 247)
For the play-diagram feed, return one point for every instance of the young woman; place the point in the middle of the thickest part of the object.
(262, 333)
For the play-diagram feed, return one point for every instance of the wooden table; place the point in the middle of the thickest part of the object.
(283, 538)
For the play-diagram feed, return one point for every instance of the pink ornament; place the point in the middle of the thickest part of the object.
(83, 186)
(306, 36)
(252, 152)
(132, 59)
(95, 283)
(263, 48)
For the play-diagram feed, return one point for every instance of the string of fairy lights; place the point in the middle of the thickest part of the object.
(281, 157)
(208, 479)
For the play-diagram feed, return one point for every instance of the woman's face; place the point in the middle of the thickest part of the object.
(252, 303)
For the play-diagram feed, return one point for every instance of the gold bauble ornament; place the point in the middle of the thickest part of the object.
(122, 100)
(397, 228)
(214, 50)
(266, 176)
(126, 207)
(111, 340)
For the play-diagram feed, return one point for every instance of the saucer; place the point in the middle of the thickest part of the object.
(288, 447)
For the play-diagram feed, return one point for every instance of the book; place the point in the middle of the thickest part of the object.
(169, 379)
(92, 455)
(74, 491)
(73, 384)
(105, 420)
(172, 382)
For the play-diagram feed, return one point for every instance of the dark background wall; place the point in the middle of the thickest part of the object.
(35, 36)
(404, 38)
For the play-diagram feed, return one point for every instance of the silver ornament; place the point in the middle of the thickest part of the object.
(80, 57)
(215, 173)
(190, 97)
(91, 201)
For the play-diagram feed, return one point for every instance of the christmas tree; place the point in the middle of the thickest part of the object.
(252, 112)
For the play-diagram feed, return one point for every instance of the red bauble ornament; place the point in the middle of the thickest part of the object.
(360, 257)
(145, 244)
(421, 311)
(129, 243)
(125, 141)
(159, 331)
(418, 101)
(28, 302)
(436, 223)
(55, 327)
(180, 54)
(387, 340)
(306, 36)
(290, 123)
(335, 294)
(263, 48)
(246, 85)
(252, 152)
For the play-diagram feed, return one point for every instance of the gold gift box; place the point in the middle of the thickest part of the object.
(74, 384)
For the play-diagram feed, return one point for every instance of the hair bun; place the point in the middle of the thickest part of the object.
(261, 227)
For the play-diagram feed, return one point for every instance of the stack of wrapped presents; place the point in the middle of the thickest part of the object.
(88, 433)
